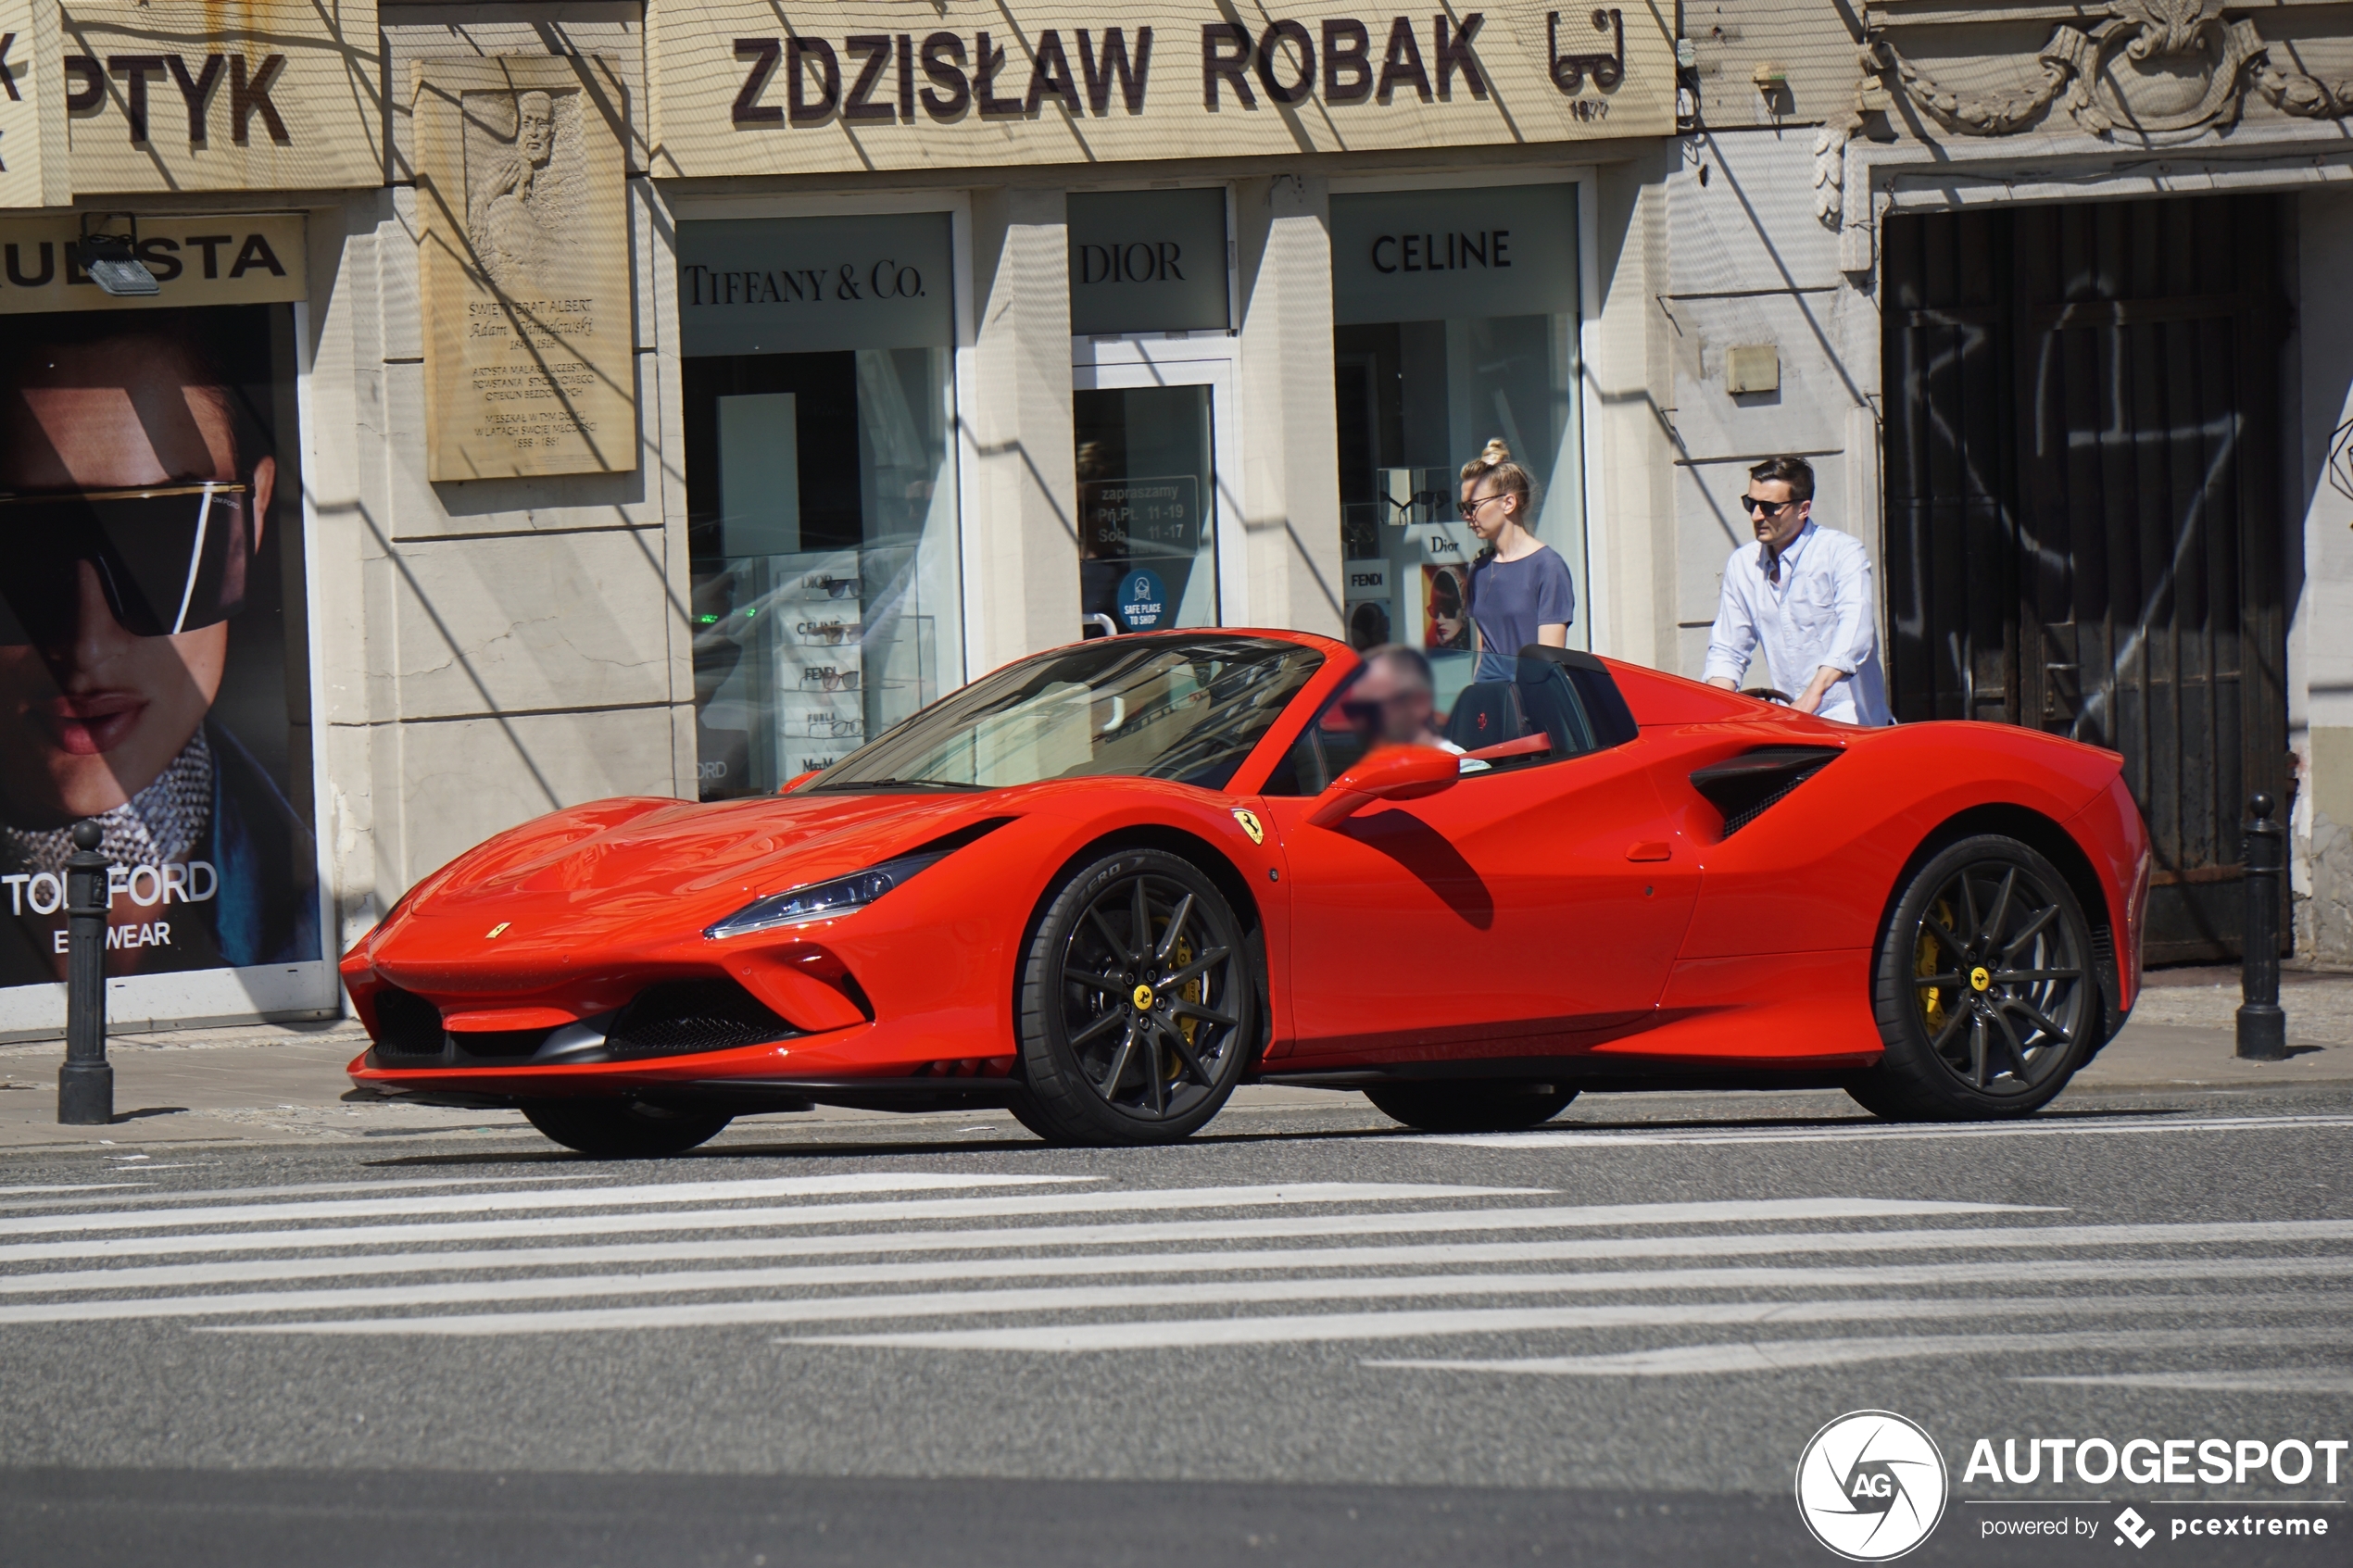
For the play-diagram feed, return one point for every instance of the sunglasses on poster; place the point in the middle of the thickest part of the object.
(826, 727)
(169, 559)
(831, 588)
(830, 679)
(827, 632)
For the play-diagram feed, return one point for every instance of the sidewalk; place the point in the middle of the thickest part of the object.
(286, 1083)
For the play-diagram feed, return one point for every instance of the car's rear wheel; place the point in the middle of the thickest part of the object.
(616, 1129)
(1470, 1108)
(1982, 986)
(1137, 1004)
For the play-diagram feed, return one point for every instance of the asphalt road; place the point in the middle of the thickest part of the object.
(1305, 1337)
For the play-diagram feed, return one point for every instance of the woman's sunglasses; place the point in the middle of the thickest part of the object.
(169, 559)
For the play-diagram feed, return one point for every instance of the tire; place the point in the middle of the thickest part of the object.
(622, 1129)
(1470, 1106)
(1101, 1070)
(1983, 988)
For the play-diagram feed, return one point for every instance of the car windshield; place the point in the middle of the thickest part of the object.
(1187, 708)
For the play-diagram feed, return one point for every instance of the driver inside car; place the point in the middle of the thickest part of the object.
(1394, 702)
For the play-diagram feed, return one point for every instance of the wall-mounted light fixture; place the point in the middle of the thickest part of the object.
(110, 256)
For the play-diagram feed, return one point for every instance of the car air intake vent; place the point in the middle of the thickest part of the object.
(1744, 788)
(407, 1024)
(682, 1017)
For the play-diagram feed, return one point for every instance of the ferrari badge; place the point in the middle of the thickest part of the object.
(493, 934)
(1980, 978)
(1250, 823)
(1143, 999)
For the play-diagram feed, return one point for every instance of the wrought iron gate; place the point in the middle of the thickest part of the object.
(2084, 528)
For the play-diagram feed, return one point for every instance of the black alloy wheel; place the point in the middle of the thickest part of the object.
(1137, 1004)
(1470, 1106)
(1983, 988)
(623, 1129)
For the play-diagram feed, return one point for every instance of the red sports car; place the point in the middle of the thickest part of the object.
(1106, 885)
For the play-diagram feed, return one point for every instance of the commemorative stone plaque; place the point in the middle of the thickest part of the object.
(520, 180)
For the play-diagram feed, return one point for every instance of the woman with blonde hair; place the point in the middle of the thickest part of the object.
(1520, 589)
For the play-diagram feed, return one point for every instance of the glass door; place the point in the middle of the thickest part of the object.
(1150, 449)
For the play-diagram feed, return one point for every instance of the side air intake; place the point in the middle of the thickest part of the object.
(686, 1017)
(1744, 787)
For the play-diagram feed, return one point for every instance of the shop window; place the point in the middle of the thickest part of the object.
(1456, 317)
(816, 373)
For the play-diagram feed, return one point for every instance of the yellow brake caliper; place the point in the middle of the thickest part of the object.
(1927, 959)
(1191, 992)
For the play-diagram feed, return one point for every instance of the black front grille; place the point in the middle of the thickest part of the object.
(407, 1024)
(683, 1017)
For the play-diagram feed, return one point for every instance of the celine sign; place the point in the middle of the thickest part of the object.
(743, 87)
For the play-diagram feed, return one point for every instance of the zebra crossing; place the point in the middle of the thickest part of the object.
(1457, 1279)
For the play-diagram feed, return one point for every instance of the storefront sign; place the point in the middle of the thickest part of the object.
(866, 86)
(262, 95)
(34, 169)
(1429, 256)
(1144, 600)
(528, 361)
(768, 285)
(243, 258)
(1148, 261)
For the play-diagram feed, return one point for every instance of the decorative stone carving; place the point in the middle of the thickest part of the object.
(529, 356)
(2161, 69)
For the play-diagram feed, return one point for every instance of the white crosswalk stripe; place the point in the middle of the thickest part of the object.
(947, 1262)
(1880, 1132)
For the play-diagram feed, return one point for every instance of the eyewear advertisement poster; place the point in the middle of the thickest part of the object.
(152, 668)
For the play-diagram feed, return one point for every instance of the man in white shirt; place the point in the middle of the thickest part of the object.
(1802, 597)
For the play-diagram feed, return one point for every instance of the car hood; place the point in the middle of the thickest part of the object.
(679, 861)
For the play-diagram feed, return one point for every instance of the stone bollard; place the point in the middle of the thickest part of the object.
(2262, 1026)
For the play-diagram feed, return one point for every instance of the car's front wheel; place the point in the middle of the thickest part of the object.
(1137, 1005)
(1470, 1108)
(616, 1129)
(1982, 986)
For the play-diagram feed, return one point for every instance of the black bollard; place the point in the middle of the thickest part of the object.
(2262, 1026)
(86, 1084)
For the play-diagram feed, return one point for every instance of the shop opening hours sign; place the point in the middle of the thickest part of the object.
(1128, 518)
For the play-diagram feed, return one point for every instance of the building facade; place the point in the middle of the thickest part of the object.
(578, 399)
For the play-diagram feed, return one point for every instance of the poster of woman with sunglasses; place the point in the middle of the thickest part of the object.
(143, 640)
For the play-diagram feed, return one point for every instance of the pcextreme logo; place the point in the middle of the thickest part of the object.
(1870, 1486)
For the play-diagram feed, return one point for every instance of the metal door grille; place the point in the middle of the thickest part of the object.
(2084, 519)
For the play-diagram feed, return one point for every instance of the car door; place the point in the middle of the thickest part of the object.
(1532, 908)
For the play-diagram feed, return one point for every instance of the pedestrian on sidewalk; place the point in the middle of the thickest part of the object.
(1802, 597)
(1520, 589)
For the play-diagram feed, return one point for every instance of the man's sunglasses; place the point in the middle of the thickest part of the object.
(1754, 505)
(169, 559)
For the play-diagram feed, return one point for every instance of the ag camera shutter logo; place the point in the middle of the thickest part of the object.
(1870, 1486)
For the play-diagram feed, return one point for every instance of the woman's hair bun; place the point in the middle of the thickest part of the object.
(1495, 452)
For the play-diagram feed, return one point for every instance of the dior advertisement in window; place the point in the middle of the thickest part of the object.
(151, 647)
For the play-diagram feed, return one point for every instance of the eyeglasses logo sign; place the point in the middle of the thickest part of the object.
(1871, 1485)
(1251, 826)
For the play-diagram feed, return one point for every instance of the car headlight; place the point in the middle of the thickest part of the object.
(822, 900)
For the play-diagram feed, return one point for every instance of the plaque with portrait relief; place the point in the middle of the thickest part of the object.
(525, 268)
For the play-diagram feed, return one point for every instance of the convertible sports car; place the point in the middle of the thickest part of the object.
(1104, 886)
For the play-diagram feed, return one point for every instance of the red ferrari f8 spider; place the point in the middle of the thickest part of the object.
(1106, 885)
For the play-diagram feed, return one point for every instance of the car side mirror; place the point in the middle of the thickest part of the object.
(1398, 772)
